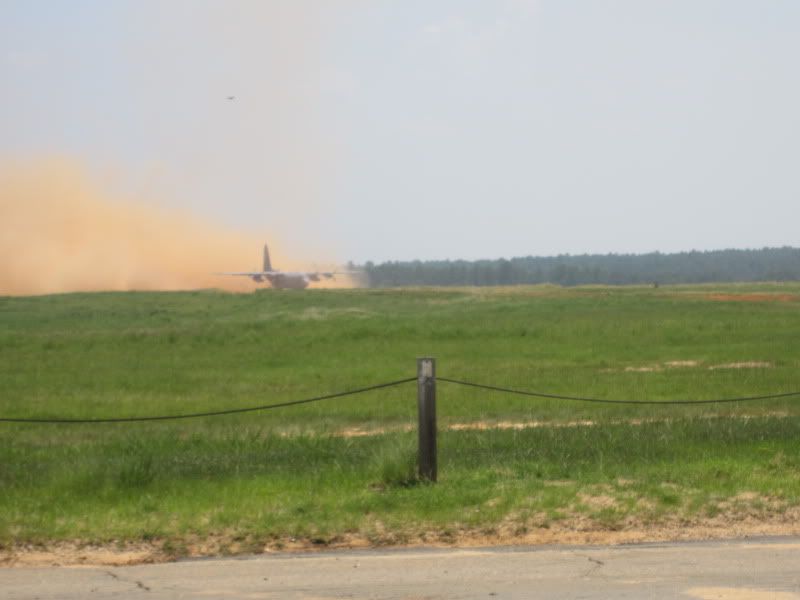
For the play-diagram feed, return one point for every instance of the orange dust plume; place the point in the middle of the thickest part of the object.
(58, 233)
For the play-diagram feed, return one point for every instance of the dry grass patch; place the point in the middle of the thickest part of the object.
(679, 364)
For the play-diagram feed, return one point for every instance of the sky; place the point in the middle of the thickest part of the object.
(420, 129)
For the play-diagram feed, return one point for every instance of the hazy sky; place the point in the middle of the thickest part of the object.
(384, 130)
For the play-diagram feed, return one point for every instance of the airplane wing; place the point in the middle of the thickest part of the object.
(249, 273)
(330, 274)
(326, 274)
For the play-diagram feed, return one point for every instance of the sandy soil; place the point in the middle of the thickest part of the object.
(750, 364)
(690, 364)
(534, 424)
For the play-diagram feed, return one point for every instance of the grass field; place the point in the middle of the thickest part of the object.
(265, 479)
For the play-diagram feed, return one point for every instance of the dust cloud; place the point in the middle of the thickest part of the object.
(60, 233)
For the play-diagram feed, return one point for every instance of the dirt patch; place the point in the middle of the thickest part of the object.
(753, 297)
(689, 364)
(517, 425)
(751, 364)
(71, 553)
(747, 496)
(533, 424)
(352, 432)
(600, 502)
(670, 364)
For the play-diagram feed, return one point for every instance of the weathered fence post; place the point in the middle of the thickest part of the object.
(426, 402)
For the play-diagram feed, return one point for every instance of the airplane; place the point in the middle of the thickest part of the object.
(281, 280)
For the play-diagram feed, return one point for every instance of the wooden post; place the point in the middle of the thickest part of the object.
(426, 401)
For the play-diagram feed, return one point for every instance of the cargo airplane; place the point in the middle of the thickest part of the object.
(295, 280)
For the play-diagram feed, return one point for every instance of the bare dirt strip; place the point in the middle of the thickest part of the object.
(573, 530)
(535, 424)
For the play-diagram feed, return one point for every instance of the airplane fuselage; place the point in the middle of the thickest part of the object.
(285, 281)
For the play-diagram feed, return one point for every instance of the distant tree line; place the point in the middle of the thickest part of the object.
(767, 264)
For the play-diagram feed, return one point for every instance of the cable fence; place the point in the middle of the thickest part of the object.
(380, 386)
(473, 437)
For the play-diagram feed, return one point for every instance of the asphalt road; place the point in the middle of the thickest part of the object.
(767, 569)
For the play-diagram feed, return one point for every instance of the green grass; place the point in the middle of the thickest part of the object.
(267, 477)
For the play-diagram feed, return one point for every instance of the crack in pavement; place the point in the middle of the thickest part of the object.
(594, 568)
(136, 582)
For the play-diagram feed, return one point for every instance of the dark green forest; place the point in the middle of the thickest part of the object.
(766, 264)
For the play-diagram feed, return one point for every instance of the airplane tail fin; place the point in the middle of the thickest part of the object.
(267, 262)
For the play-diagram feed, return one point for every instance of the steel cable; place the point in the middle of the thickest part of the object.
(215, 413)
(607, 401)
